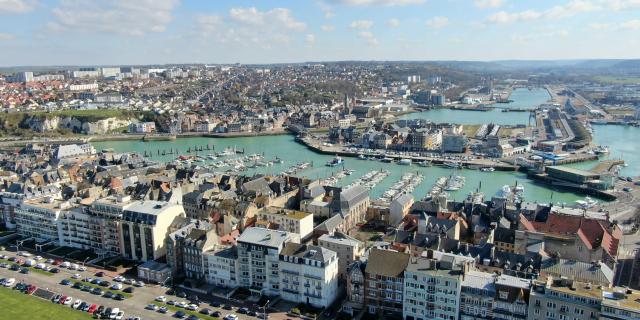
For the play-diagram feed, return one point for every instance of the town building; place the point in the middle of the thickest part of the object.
(258, 259)
(348, 250)
(144, 228)
(384, 282)
(308, 274)
(292, 221)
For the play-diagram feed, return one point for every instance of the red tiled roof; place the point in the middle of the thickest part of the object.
(593, 233)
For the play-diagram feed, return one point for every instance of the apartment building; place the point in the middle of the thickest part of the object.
(195, 244)
(620, 304)
(384, 282)
(431, 290)
(352, 206)
(564, 299)
(292, 221)
(38, 218)
(258, 258)
(477, 293)
(308, 274)
(221, 266)
(74, 228)
(512, 298)
(144, 228)
(106, 216)
(347, 248)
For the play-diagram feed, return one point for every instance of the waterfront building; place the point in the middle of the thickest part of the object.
(258, 257)
(454, 143)
(142, 127)
(308, 274)
(348, 250)
(144, 228)
(399, 207)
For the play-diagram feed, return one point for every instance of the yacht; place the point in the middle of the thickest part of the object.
(386, 160)
(455, 183)
(586, 203)
(489, 169)
(335, 161)
(425, 163)
(453, 164)
(362, 157)
(600, 150)
(404, 162)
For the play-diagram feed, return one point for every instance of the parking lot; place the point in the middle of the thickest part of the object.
(134, 304)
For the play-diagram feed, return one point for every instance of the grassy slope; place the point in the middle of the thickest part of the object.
(19, 306)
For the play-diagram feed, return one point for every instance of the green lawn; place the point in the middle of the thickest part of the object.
(19, 306)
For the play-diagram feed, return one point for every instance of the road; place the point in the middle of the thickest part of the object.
(134, 306)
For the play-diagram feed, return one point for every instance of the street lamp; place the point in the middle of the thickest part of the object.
(264, 310)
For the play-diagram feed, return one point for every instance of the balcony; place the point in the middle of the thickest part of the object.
(312, 295)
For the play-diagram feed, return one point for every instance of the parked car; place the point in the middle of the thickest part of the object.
(99, 274)
(180, 314)
(128, 290)
(108, 295)
(163, 309)
(118, 297)
(151, 306)
(92, 308)
(54, 270)
(116, 286)
(161, 299)
(76, 304)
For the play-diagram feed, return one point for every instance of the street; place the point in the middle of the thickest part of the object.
(134, 306)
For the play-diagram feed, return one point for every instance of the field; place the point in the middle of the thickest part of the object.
(18, 306)
(617, 80)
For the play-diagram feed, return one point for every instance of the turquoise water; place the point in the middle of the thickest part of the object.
(522, 99)
(622, 140)
(292, 152)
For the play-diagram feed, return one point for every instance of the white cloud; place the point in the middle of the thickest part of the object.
(599, 26)
(16, 6)
(327, 28)
(361, 24)
(393, 23)
(252, 26)
(326, 9)
(631, 25)
(569, 9)
(6, 37)
(622, 4)
(437, 22)
(279, 16)
(627, 25)
(134, 18)
(379, 2)
(483, 4)
(368, 37)
(310, 39)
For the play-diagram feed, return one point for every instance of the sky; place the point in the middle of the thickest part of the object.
(122, 32)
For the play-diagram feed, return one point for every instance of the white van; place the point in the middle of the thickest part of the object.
(114, 313)
(9, 282)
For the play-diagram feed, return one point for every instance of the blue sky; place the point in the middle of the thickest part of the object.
(88, 32)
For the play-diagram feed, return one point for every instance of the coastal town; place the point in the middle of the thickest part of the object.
(176, 191)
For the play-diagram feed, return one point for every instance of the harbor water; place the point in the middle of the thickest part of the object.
(622, 141)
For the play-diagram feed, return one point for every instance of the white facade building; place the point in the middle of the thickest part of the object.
(308, 274)
(292, 221)
(258, 259)
(221, 267)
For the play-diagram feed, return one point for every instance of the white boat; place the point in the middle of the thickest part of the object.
(362, 157)
(404, 162)
(586, 203)
(455, 183)
(453, 164)
(489, 169)
(425, 163)
(335, 161)
(600, 150)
